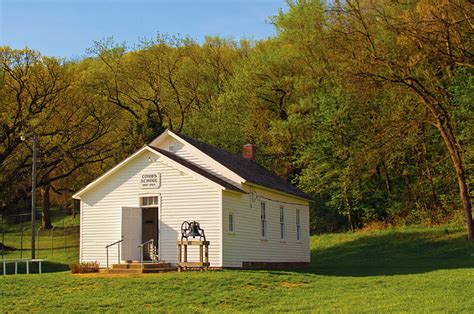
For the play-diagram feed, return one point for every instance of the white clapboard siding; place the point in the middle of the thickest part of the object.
(246, 245)
(183, 196)
(195, 156)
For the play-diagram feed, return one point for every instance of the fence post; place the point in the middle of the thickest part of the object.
(38, 244)
(65, 241)
(3, 240)
(21, 242)
(52, 237)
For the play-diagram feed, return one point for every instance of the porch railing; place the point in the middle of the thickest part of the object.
(150, 245)
(118, 251)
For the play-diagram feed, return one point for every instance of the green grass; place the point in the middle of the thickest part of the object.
(405, 269)
(59, 246)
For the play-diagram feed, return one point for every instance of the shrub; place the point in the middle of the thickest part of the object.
(82, 268)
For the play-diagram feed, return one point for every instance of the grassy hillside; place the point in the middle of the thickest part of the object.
(63, 239)
(403, 269)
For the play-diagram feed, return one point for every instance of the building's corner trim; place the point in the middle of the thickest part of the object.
(222, 227)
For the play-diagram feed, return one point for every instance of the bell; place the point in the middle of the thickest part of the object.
(193, 230)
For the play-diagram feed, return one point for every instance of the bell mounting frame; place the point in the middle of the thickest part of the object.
(192, 229)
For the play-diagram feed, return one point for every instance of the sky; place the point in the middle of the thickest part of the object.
(66, 28)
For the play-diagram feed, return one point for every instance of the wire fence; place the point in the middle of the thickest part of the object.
(60, 243)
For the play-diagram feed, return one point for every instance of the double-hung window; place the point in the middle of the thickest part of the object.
(298, 226)
(263, 219)
(282, 223)
(231, 223)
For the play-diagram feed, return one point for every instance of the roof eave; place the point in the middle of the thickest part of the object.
(278, 191)
(176, 136)
(108, 173)
(236, 189)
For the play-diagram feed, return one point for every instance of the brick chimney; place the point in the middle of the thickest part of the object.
(249, 151)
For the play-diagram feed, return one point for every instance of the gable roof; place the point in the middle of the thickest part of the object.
(197, 169)
(173, 158)
(248, 169)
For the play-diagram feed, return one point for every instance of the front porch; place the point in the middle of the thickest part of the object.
(139, 268)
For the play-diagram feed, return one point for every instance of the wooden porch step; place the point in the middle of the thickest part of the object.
(123, 271)
(159, 270)
(126, 266)
(140, 271)
(139, 268)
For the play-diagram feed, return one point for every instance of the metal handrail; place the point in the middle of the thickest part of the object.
(140, 246)
(118, 251)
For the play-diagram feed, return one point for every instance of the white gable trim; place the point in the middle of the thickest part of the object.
(226, 171)
(160, 138)
(220, 166)
(108, 173)
(176, 165)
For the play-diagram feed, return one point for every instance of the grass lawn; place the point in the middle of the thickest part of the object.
(405, 269)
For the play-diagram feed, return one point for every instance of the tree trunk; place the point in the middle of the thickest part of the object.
(406, 177)
(429, 173)
(453, 149)
(388, 181)
(348, 205)
(46, 212)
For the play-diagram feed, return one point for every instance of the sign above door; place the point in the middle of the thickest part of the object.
(150, 180)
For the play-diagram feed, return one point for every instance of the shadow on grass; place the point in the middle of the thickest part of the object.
(392, 253)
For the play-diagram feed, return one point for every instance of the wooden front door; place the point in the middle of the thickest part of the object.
(150, 231)
(131, 233)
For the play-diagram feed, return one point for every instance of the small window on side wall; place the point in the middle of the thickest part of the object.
(282, 223)
(298, 225)
(231, 223)
(263, 221)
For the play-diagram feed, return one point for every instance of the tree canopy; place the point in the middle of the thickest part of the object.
(366, 105)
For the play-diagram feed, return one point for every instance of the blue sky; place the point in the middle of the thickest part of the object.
(66, 28)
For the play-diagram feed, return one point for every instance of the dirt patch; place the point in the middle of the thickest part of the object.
(249, 287)
(105, 275)
(289, 285)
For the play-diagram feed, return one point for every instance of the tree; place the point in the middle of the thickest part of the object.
(419, 46)
(43, 96)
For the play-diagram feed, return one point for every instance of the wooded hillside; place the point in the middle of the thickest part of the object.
(366, 105)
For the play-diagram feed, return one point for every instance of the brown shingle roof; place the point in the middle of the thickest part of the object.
(197, 169)
(248, 169)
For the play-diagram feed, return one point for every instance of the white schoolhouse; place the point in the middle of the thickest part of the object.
(251, 217)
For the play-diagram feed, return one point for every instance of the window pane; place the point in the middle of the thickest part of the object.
(231, 222)
(145, 201)
(264, 229)
(155, 200)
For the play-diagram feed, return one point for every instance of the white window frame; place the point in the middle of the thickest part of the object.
(155, 200)
(298, 225)
(282, 224)
(263, 221)
(231, 227)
